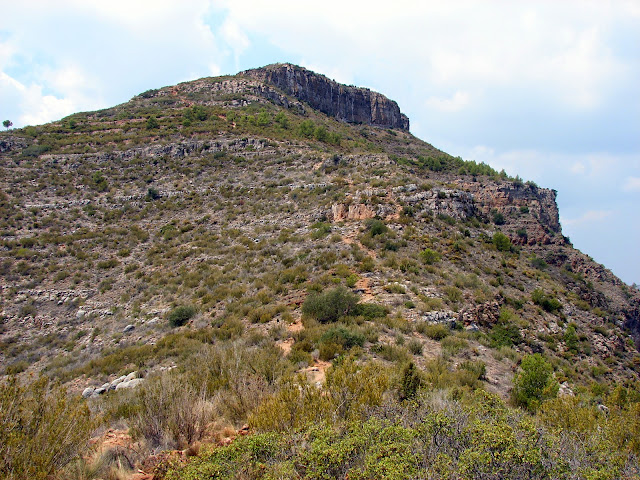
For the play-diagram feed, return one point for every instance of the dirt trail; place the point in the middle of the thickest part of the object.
(364, 284)
(286, 345)
(316, 373)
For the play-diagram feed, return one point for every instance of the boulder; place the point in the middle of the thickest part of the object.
(87, 392)
(129, 384)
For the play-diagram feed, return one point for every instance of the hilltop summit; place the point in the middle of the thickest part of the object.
(346, 103)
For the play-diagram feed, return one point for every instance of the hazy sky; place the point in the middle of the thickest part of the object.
(548, 90)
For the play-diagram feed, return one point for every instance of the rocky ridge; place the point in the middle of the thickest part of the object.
(346, 103)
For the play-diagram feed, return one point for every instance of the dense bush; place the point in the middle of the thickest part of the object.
(337, 340)
(376, 227)
(505, 333)
(330, 305)
(435, 435)
(152, 123)
(534, 382)
(429, 256)
(501, 242)
(370, 310)
(181, 315)
(498, 218)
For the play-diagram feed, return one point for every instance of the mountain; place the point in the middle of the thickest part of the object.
(287, 221)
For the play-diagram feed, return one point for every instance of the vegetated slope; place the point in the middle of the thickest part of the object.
(209, 212)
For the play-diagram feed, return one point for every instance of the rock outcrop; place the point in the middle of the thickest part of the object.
(348, 104)
(9, 143)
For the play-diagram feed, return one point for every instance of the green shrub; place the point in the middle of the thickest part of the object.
(152, 123)
(435, 331)
(547, 302)
(415, 346)
(410, 382)
(306, 128)
(454, 294)
(376, 227)
(453, 344)
(370, 310)
(538, 263)
(152, 194)
(343, 336)
(391, 353)
(478, 368)
(181, 315)
(171, 412)
(571, 339)
(282, 120)
(16, 367)
(395, 288)
(505, 333)
(321, 230)
(35, 150)
(430, 256)
(534, 382)
(106, 264)
(331, 305)
(501, 242)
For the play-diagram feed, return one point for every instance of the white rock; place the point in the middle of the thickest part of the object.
(117, 382)
(87, 392)
(130, 384)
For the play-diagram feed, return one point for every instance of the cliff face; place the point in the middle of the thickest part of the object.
(526, 207)
(349, 104)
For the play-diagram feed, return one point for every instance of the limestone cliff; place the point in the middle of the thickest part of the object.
(349, 104)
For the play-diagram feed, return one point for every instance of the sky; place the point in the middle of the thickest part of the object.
(547, 90)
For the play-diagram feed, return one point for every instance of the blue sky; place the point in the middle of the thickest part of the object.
(547, 90)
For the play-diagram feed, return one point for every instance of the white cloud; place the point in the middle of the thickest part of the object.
(632, 184)
(80, 55)
(35, 107)
(455, 103)
(559, 48)
(578, 168)
(235, 38)
(588, 218)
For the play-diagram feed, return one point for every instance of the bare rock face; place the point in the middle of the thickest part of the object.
(340, 212)
(529, 208)
(349, 104)
(485, 315)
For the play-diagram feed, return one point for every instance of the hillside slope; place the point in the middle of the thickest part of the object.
(236, 196)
